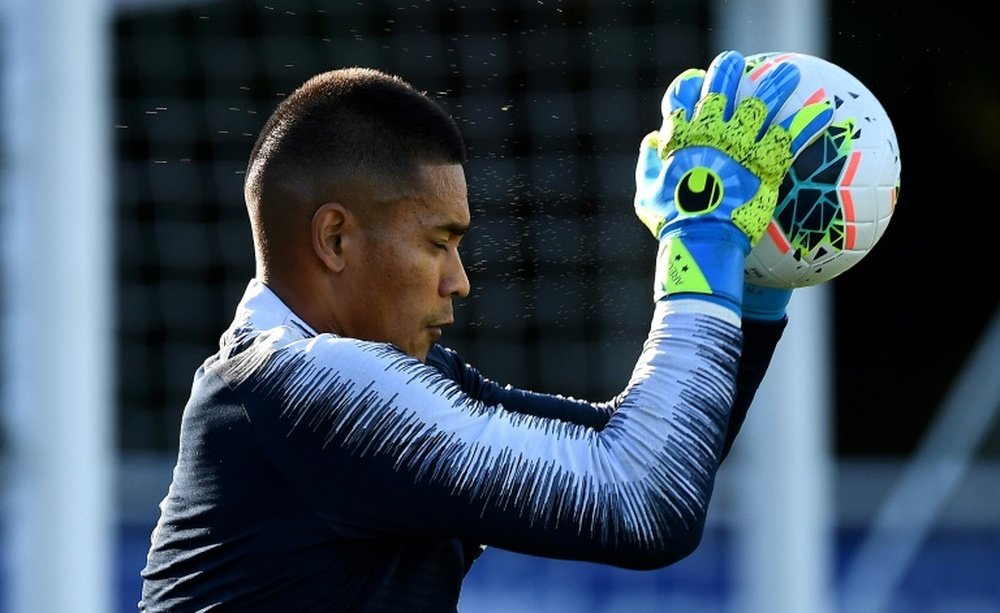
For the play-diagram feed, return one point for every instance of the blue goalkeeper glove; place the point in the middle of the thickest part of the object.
(707, 181)
(764, 303)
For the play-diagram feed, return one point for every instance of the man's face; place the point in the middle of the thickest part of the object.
(410, 271)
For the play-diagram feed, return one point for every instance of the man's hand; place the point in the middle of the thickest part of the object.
(707, 181)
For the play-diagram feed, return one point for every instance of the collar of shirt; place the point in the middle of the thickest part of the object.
(261, 309)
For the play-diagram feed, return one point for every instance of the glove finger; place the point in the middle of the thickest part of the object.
(683, 93)
(647, 167)
(648, 185)
(774, 89)
(723, 77)
(809, 122)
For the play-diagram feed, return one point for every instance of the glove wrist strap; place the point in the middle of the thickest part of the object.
(764, 303)
(703, 260)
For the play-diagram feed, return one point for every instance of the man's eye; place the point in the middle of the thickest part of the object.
(441, 245)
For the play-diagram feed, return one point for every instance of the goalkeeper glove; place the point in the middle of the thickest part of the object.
(707, 181)
(764, 303)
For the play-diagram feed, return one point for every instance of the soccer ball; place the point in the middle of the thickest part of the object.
(840, 193)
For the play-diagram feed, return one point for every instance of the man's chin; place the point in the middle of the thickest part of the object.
(420, 352)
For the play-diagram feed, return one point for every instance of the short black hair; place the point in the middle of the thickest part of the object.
(341, 126)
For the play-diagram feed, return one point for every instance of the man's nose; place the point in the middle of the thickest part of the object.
(455, 281)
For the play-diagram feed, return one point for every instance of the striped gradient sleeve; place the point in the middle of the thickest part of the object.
(379, 443)
(759, 341)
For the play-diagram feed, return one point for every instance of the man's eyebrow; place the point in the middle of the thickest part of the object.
(455, 228)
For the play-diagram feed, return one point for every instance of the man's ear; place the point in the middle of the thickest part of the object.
(330, 224)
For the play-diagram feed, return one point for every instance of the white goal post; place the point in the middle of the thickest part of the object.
(57, 240)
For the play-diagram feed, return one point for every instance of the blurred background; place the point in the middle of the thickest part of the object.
(553, 98)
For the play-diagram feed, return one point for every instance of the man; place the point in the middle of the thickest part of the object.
(333, 457)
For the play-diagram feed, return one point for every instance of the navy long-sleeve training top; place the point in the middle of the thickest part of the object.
(321, 473)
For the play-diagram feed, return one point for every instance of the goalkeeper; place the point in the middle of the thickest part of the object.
(334, 457)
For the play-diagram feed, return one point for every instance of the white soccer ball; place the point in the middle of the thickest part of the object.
(840, 193)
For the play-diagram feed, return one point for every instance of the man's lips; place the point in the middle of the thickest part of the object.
(445, 318)
(435, 328)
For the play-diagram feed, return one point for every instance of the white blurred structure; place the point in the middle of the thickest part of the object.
(57, 233)
(784, 519)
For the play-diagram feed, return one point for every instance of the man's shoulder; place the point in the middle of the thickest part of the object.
(283, 350)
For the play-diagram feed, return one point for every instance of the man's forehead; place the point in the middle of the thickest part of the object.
(440, 214)
(446, 179)
(443, 194)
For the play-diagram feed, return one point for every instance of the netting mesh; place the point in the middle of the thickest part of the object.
(552, 98)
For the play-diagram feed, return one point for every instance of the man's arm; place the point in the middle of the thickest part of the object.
(759, 341)
(379, 443)
(552, 406)
(760, 338)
